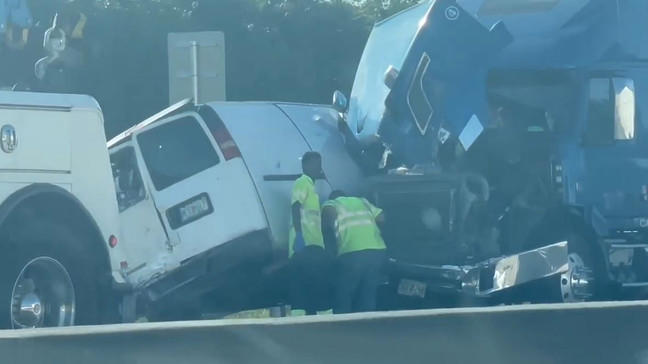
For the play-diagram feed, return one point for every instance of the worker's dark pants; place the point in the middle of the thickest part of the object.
(357, 279)
(310, 284)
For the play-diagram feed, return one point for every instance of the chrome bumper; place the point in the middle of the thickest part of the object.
(502, 273)
(490, 276)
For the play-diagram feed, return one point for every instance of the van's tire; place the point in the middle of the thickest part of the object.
(46, 266)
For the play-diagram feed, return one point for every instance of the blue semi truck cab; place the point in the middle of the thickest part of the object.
(496, 127)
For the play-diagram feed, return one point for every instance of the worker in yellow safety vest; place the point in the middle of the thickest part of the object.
(309, 263)
(360, 251)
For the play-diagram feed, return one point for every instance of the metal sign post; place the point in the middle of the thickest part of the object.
(196, 66)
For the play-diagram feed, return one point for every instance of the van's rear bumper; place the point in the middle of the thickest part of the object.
(225, 267)
(485, 278)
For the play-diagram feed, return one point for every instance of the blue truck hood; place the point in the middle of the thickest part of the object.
(388, 44)
(444, 50)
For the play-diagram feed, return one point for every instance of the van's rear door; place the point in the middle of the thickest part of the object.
(204, 195)
(144, 236)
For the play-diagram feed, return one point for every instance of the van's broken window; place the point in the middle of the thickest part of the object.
(175, 151)
(128, 182)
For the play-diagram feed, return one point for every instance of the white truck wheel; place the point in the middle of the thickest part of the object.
(47, 279)
(42, 295)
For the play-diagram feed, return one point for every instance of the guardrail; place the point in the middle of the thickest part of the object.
(527, 334)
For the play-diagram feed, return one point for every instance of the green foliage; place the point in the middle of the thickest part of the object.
(380, 9)
(287, 50)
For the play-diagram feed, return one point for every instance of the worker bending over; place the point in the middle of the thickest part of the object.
(310, 266)
(360, 251)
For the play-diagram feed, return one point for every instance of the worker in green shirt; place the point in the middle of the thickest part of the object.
(309, 262)
(360, 251)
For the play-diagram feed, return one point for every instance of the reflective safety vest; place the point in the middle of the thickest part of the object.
(355, 225)
(311, 215)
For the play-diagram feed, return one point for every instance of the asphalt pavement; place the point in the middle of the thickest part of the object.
(606, 332)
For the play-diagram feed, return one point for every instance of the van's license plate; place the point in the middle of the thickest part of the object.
(194, 209)
(411, 288)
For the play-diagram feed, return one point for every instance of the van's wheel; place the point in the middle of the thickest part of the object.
(47, 279)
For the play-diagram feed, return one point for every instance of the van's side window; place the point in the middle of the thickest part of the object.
(128, 182)
(611, 110)
(175, 151)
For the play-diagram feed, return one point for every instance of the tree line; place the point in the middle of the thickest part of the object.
(285, 50)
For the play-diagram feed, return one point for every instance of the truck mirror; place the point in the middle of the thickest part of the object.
(340, 102)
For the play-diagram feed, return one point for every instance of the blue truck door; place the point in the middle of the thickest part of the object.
(615, 157)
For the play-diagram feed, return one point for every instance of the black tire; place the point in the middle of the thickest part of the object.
(585, 249)
(45, 239)
(555, 289)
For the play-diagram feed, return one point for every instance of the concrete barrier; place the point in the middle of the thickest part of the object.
(529, 334)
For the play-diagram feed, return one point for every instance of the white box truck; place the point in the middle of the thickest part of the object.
(59, 222)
